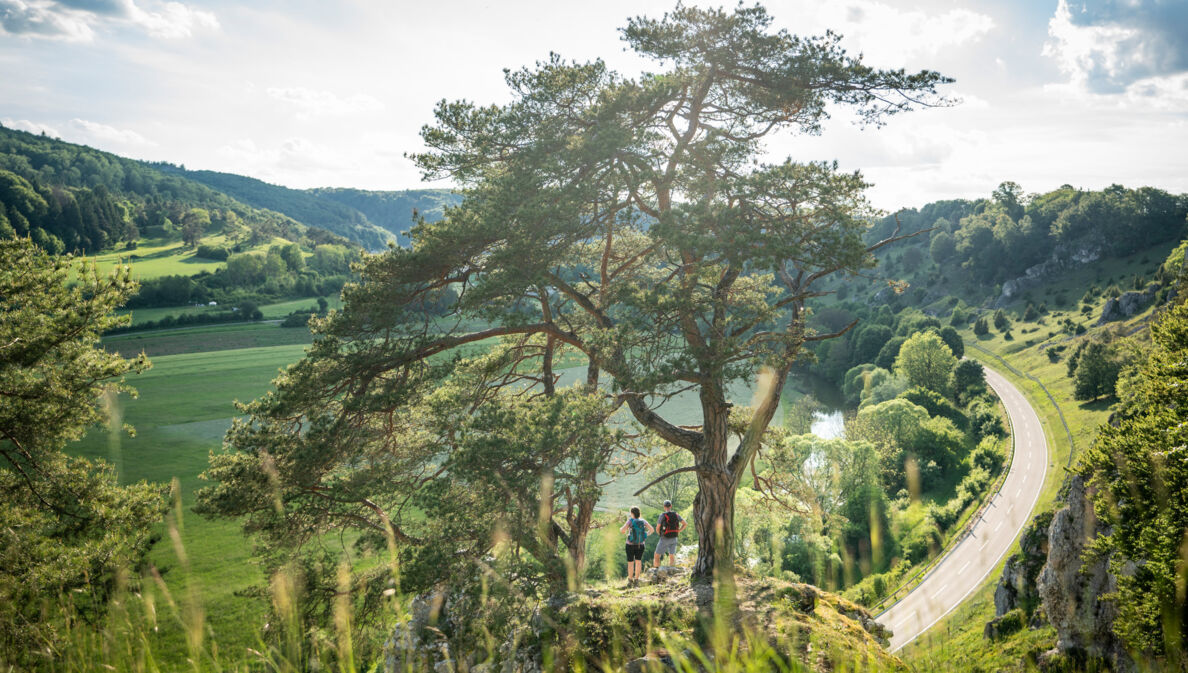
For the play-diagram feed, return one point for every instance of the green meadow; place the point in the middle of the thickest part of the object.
(153, 258)
(185, 405)
(271, 311)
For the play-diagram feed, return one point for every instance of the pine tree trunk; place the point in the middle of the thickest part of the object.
(713, 508)
(713, 512)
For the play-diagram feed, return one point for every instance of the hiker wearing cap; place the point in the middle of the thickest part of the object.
(669, 526)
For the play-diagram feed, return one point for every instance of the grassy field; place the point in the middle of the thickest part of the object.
(185, 405)
(153, 258)
(209, 338)
(270, 311)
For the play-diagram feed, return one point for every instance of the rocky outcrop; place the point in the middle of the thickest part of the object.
(1049, 580)
(1016, 598)
(1071, 589)
(1062, 259)
(1127, 304)
(664, 574)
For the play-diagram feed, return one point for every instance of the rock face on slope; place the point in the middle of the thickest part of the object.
(629, 628)
(1066, 591)
(1062, 259)
(1127, 304)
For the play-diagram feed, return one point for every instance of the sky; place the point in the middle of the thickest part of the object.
(314, 93)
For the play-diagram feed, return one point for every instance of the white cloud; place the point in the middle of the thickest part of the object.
(78, 20)
(312, 103)
(1107, 47)
(31, 127)
(891, 36)
(104, 134)
(43, 20)
(173, 20)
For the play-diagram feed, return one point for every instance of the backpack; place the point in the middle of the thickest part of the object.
(670, 524)
(637, 534)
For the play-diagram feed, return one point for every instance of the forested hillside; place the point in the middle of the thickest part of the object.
(370, 218)
(73, 198)
(297, 204)
(985, 244)
(394, 211)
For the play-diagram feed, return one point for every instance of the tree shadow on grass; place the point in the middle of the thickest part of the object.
(1100, 404)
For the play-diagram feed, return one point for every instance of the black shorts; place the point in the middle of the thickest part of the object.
(634, 552)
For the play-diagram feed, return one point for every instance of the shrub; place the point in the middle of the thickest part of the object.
(1001, 322)
(1011, 622)
(207, 251)
(923, 539)
(986, 456)
(984, 419)
(980, 327)
(296, 319)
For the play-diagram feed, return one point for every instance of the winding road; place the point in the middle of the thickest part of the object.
(968, 563)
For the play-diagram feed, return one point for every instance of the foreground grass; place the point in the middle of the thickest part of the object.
(185, 405)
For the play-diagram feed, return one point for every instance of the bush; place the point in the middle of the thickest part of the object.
(984, 419)
(981, 327)
(943, 516)
(297, 319)
(986, 456)
(921, 542)
(1011, 622)
(207, 251)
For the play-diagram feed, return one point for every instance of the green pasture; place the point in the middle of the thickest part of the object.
(209, 338)
(154, 258)
(270, 311)
(184, 406)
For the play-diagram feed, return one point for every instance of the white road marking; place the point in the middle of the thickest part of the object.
(998, 526)
(962, 569)
(940, 591)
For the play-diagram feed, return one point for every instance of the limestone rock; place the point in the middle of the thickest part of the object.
(1071, 590)
(1126, 305)
(1016, 587)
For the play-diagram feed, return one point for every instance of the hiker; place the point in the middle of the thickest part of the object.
(669, 526)
(637, 530)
